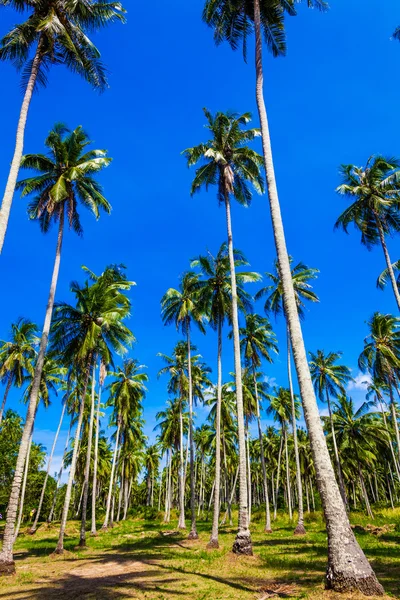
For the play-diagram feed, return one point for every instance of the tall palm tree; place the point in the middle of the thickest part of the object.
(66, 179)
(181, 307)
(301, 276)
(381, 357)
(330, 380)
(102, 376)
(231, 165)
(257, 342)
(94, 327)
(16, 356)
(374, 211)
(56, 32)
(233, 20)
(152, 462)
(215, 299)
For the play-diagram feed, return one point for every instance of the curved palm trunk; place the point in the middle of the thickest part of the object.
(7, 566)
(181, 522)
(35, 523)
(338, 465)
(3, 404)
(110, 488)
(242, 544)
(388, 262)
(22, 499)
(300, 529)
(348, 569)
(213, 543)
(82, 537)
(19, 147)
(193, 535)
(60, 544)
(267, 528)
(96, 450)
(60, 472)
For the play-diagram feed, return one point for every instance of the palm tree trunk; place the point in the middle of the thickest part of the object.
(121, 487)
(267, 528)
(181, 522)
(6, 555)
(102, 372)
(110, 487)
(51, 513)
(193, 535)
(3, 404)
(166, 487)
(364, 492)
(249, 491)
(60, 544)
(394, 419)
(338, 465)
(35, 523)
(213, 543)
(82, 536)
(348, 569)
(19, 146)
(230, 500)
(22, 498)
(278, 474)
(388, 262)
(396, 466)
(242, 544)
(288, 490)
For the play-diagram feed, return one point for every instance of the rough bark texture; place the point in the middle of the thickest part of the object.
(348, 568)
(242, 544)
(82, 537)
(213, 543)
(19, 147)
(110, 488)
(193, 535)
(3, 404)
(6, 555)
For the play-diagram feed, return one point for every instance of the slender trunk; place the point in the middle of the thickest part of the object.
(242, 544)
(396, 466)
(390, 491)
(338, 465)
(6, 555)
(278, 474)
(394, 419)
(35, 523)
(51, 513)
(213, 543)
(3, 404)
(232, 494)
(102, 373)
(23, 489)
(60, 544)
(388, 262)
(82, 536)
(288, 490)
(312, 495)
(307, 495)
(348, 569)
(364, 493)
(267, 528)
(249, 499)
(181, 522)
(111, 485)
(19, 146)
(166, 488)
(169, 488)
(193, 535)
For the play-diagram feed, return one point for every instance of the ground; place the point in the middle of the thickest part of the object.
(149, 560)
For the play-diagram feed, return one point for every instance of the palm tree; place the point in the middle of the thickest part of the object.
(94, 327)
(375, 194)
(231, 165)
(57, 33)
(257, 342)
(381, 357)
(152, 462)
(66, 178)
(301, 275)
(102, 376)
(396, 33)
(233, 20)
(16, 356)
(330, 380)
(181, 307)
(215, 299)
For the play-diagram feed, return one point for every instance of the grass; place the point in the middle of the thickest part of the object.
(136, 560)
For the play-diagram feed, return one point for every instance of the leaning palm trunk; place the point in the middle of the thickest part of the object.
(111, 486)
(3, 404)
(102, 374)
(82, 537)
(242, 544)
(181, 522)
(35, 523)
(193, 535)
(60, 544)
(6, 555)
(348, 569)
(300, 529)
(60, 472)
(23, 489)
(19, 147)
(338, 465)
(388, 262)
(267, 528)
(213, 543)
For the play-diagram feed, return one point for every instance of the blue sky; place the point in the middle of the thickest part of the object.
(332, 100)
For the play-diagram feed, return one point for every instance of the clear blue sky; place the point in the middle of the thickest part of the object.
(333, 99)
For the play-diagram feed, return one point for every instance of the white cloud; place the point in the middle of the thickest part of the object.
(361, 381)
(324, 412)
(270, 380)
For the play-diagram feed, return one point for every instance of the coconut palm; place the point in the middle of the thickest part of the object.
(55, 32)
(301, 276)
(257, 342)
(233, 20)
(381, 357)
(151, 462)
(102, 376)
(396, 33)
(330, 380)
(230, 164)
(16, 356)
(181, 307)
(374, 211)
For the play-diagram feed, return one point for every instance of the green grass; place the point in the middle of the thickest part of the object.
(135, 560)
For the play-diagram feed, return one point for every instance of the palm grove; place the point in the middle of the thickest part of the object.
(230, 462)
